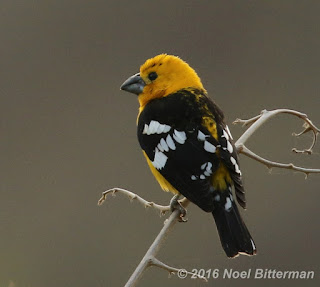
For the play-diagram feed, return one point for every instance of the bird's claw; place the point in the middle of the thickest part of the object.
(175, 205)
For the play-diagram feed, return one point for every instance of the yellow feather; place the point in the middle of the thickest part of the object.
(220, 178)
(211, 125)
(165, 185)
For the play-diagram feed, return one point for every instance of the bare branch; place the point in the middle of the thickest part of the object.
(163, 209)
(249, 121)
(244, 150)
(315, 132)
(257, 121)
(133, 196)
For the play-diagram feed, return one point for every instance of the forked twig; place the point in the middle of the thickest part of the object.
(133, 196)
(257, 121)
(182, 273)
(162, 208)
(270, 164)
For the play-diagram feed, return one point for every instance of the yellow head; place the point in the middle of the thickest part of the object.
(161, 76)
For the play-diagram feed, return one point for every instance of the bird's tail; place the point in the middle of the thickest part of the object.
(234, 235)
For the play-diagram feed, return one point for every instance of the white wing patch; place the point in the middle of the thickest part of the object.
(155, 127)
(163, 129)
(229, 133)
(179, 137)
(228, 204)
(253, 245)
(201, 136)
(170, 142)
(160, 160)
(207, 171)
(164, 144)
(229, 147)
(203, 166)
(236, 166)
(159, 146)
(225, 135)
(167, 142)
(209, 147)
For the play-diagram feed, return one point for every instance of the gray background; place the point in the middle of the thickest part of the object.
(68, 133)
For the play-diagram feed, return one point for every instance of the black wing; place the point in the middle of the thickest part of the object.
(228, 153)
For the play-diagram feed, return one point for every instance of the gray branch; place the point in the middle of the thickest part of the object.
(257, 121)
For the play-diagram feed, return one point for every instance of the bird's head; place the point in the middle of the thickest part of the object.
(161, 76)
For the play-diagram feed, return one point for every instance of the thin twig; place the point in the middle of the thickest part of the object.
(315, 135)
(182, 273)
(133, 196)
(162, 208)
(270, 164)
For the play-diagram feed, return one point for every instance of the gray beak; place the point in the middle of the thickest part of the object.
(134, 84)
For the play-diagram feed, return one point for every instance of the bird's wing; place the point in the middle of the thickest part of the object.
(185, 158)
(229, 157)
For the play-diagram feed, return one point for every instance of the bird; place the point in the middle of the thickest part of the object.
(189, 147)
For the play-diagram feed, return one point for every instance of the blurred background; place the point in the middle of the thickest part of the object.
(68, 133)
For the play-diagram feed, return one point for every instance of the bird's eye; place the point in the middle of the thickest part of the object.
(152, 76)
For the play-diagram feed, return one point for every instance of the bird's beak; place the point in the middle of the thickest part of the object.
(134, 84)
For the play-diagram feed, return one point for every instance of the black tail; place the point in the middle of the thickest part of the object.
(234, 235)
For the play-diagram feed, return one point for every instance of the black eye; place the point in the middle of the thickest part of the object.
(152, 76)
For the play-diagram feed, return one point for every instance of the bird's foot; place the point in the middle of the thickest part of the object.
(175, 205)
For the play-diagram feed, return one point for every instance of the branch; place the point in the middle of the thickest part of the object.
(257, 121)
(182, 273)
(270, 164)
(163, 209)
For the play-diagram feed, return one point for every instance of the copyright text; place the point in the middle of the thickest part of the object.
(257, 273)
